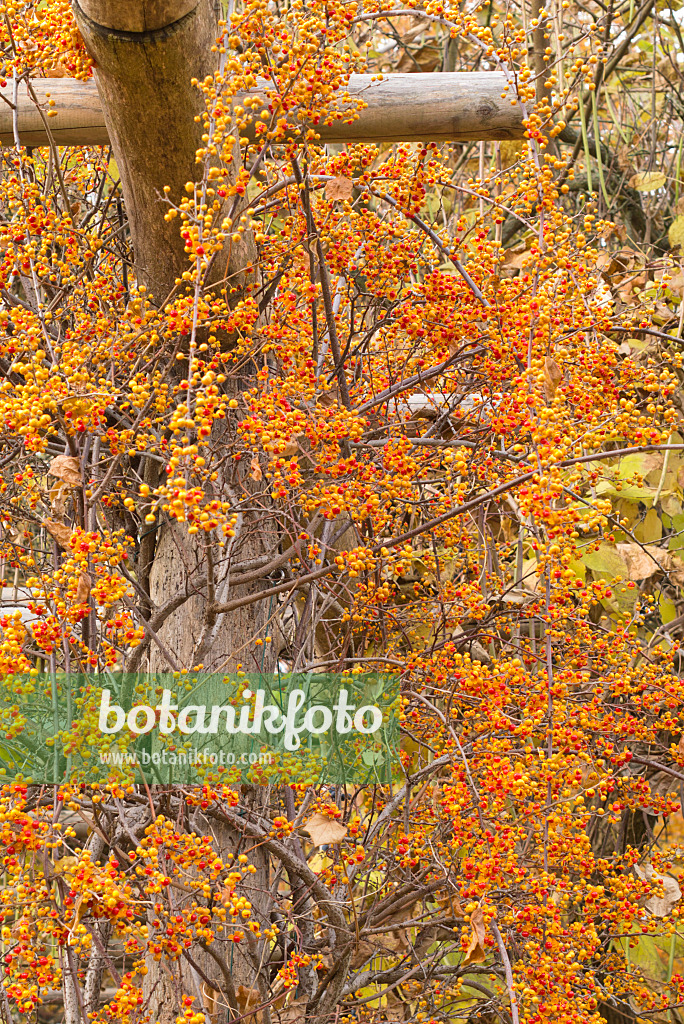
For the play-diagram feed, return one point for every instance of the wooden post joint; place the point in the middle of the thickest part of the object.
(133, 20)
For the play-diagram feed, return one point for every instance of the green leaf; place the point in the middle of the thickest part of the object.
(668, 610)
(605, 563)
(631, 492)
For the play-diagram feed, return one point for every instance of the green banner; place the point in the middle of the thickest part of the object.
(198, 728)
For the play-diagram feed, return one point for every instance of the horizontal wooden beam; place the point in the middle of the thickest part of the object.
(456, 107)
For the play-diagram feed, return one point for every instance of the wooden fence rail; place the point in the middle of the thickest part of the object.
(458, 107)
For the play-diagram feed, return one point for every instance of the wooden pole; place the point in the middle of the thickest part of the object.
(449, 107)
(145, 55)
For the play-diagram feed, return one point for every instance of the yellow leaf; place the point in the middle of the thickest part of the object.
(66, 468)
(339, 188)
(511, 150)
(324, 830)
(79, 408)
(675, 232)
(648, 181)
(64, 864)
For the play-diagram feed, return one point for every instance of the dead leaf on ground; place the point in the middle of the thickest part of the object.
(59, 532)
(255, 469)
(475, 953)
(324, 830)
(339, 188)
(83, 588)
(66, 468)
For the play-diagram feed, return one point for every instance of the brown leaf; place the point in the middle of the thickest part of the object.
(641, 564)
(211, 998)
(292, 1012)
(339, 188)
(83, 588)
(57, 71)
(363, 952)
(255, 469)
(247, 999)
(59, 493)
(660, 906)
(59, 531)
(396, 940)
(553, 375)
(451, 903)
(66, 468)
(475, 952)
(323, 829)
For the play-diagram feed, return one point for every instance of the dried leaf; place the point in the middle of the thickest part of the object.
(475, 952)
(66, 468)
(58, 497)
(553, 375)
(648, 181)
(83, 588)
(660, 906)
(292, 1012)
(339, 188)
(255, 469)
(211, 998)
(59, 531)
(247, 999)
(79, 910)
(641, 564)
(324, 830)
(57, 70)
